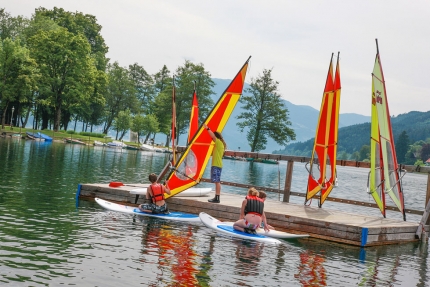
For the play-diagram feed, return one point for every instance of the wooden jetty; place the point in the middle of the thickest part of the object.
(322, 223)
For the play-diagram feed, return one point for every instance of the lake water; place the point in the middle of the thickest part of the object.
(48, 240)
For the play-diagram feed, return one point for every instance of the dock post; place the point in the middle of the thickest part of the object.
(428, 196)
(288, 178)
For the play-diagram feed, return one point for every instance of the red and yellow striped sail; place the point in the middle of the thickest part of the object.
(384, 175)
(322, 171)
(191, 165)
(194, 118)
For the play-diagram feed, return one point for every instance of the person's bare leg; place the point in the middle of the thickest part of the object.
(217, 188)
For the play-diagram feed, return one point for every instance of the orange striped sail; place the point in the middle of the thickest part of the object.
(194, 117)
(322, 170)
(191, 165)
(384, 176)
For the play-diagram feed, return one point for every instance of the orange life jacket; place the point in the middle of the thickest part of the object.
(157, 192)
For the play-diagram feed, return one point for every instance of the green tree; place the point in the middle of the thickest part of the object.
(11, 27)
(402, 145)
(78, 23)
(18, 75)
(425, 152)
(144, 85)
(364, 153)
(67, 70)
(148, 125)
(266, 115)
(120, 94)
(86, 25)
(343, 155)
(185, 77)
(122, 123)
(162, 79)
(163, 112)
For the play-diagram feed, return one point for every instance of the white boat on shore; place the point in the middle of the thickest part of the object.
(147, 147)
(99, 143)
(116, 144)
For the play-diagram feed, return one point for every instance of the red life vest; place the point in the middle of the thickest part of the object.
(157, 192)
(254, 205)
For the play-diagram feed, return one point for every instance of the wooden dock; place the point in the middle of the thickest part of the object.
(322, 223)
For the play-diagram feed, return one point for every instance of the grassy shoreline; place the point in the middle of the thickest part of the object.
(60, 135)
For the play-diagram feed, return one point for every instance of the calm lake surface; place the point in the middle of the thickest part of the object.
(47, 239)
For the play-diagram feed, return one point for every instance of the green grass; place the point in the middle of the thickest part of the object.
(86, 137)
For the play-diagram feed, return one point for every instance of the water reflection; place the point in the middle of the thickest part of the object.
(311, 271)
(174, 251)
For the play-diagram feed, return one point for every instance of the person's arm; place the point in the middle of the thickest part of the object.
(242, 209)
(149, 193)
(166, 188)
(266, 226)
(210, 132)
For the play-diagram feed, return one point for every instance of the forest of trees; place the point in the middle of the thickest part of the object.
(411, 132)
(54, 67)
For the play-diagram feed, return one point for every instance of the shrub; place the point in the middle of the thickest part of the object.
(89, 134)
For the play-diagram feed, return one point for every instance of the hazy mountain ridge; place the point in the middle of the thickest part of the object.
(303, 118)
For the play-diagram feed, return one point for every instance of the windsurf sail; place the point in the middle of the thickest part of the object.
(191, 165)
(322, 167)
(194, 117)
(384, 176)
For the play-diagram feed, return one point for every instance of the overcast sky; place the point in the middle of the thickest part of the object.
(294, 38)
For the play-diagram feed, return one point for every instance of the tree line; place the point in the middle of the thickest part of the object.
(54, 66)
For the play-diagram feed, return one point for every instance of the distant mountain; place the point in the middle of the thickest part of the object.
(352, 138)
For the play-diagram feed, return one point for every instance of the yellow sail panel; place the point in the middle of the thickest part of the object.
(384, 174)
(317, 170)
(375, 184)
(192, 164)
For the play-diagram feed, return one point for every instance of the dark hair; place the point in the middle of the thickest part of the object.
(218, 135)
(153, 177)
(262, 194)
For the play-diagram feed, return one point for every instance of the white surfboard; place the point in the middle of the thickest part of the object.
(275, 233)
(178, 216)
(190, 192)
(227, 229)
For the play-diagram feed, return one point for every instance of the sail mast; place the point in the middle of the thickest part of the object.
(173, 121)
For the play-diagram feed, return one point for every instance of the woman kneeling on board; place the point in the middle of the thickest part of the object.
(251, 213)
(155, 194)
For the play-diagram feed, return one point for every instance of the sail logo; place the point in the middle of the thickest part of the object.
(376, 98)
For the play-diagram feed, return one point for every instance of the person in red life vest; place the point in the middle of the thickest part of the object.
(251, 213)
(216, 168)
(155, 194)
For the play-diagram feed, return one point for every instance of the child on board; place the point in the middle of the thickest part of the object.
(155, 195)
(216, 168)
(251, 213)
